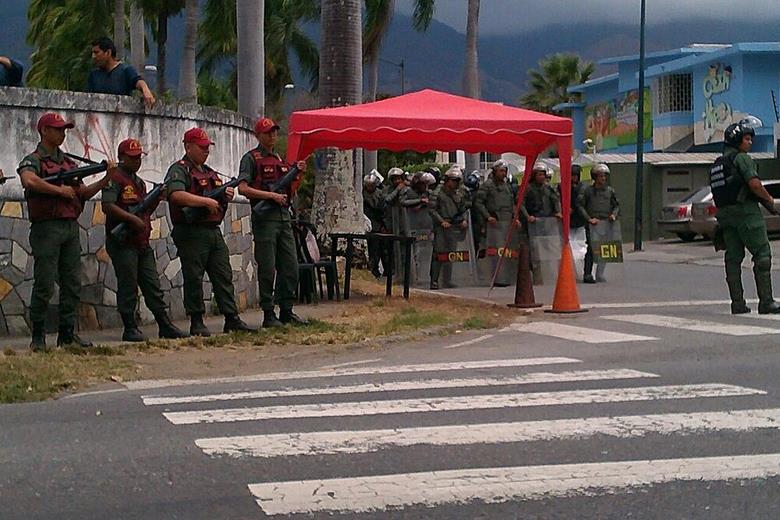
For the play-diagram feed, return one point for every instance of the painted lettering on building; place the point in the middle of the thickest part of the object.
(716, 116)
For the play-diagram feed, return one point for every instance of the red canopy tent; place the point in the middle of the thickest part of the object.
(430, 120)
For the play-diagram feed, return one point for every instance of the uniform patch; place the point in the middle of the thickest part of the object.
(128, 193)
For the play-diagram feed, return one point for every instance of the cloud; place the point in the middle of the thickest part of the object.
(514, 16)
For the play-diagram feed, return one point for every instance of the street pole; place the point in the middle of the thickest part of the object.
(403, 77)
(640, 137)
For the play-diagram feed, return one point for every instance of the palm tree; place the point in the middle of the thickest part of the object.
(337, 203)
(283, 36)
(163, 10)
(250, 42)
(187, 83)
(61, 47)
(379, 15)
(471, 67)
(119, 28)
(137, 50)
(548, 85)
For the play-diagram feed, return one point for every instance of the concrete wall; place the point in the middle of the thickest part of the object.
(102, 122)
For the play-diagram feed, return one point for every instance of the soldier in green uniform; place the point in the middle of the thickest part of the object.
(417, 195)
(736, 190)
(133, 259)
(448, 207)
(540, 199)
(394, 193)
(54, 232)
(259, 170)
(373, 208)
(595, 203)
(200, 243)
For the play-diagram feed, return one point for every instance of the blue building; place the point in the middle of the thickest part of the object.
(691, 95)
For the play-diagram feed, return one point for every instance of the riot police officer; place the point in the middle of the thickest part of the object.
(540, 200)
(200, 243)
(373, 208)
(576, 220)
(736, 190)
(54, 233)
(393, 195)
(471, 183)
(448, 210)
(132, 258)
(595, 203)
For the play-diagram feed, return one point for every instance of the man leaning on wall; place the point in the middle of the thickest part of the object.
(112, 76)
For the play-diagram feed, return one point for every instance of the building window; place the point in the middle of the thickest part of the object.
(673, 93)
(452, 157)
(487, 159)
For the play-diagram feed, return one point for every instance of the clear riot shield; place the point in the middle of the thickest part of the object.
(495, 246)
(606, 246)
(579, 247)
(454, 251)
(545, 242)
(417, 223)
(396, 221)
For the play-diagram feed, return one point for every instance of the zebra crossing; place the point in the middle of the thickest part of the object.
(337, 395)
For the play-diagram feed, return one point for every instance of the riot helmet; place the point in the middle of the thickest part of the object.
(429, 179)
(395, 172)
(454, 173)
(600, 168)
(736, 131)
(472, 180)
(500, 164)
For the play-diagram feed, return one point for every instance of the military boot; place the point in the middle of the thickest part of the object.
(738, 304)
(763, 274)
(166, 329)
(38, 343)
(288, 316)
(67, 336)
(233, 323)
(197, 327)
(270, 320)
(132, 332)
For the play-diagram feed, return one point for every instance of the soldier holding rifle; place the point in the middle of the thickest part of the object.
(196, 218)
(261, 169)
(128, 210)
(55, 197)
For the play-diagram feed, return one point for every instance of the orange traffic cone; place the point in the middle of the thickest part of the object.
(566, 299)
(524, 290)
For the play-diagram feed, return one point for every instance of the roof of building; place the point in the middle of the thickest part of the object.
(689, 62)
(593, 82)
(661, 158)
(695, 48)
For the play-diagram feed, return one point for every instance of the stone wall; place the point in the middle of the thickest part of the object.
(102, 121)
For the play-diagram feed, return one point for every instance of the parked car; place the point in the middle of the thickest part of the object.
(676, 217)
(703, 213)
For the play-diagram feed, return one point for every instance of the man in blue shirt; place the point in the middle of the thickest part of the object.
(112, 76)
(10, 72)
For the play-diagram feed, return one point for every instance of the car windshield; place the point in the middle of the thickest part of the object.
(697, 196)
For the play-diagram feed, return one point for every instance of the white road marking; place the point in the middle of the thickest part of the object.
(473, 402)
(572, 333)
(367, 371)
(351, 364)
(368, 441)
(470, 342)
(523, 379)
(497, 485)
(755, 316)
(677, 303)
(695, 325)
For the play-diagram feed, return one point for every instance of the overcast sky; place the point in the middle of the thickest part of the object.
(512, 16)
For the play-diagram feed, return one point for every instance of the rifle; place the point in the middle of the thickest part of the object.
(280, 187)
(193, 213)
(77, 173)
(122, 230)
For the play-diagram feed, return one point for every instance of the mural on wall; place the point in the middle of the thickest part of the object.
(614, 123)
(717, 113)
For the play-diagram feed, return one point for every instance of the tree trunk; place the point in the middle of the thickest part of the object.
(471, 68)
(250, 16)
(370, 156)
(137, 51)
(338, 196)
(187, 85)
(119, 28)
(162, 40)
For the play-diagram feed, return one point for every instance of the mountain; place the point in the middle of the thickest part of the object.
(434, 59)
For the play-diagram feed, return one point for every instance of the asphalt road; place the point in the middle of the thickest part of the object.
(659, 407)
